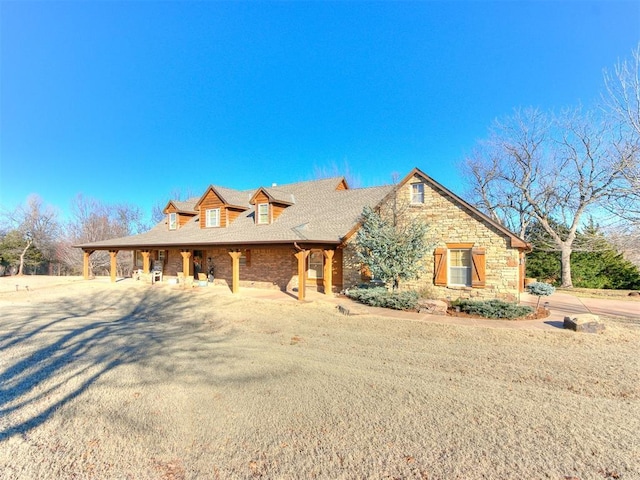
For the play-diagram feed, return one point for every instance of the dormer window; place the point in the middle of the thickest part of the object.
(173, 221)
(212, 217)
(263, 213)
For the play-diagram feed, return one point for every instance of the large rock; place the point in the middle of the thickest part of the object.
(584, 322)
(434, 307)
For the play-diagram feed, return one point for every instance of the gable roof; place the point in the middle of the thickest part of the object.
(516, 241)
(228, 196)
(186, 206)
(317, 213)
(275, 196)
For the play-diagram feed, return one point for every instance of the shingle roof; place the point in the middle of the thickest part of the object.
(318, 213)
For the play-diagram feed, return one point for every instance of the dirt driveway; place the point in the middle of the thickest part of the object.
(148, 382)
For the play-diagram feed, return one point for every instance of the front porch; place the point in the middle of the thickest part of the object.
(277, 268)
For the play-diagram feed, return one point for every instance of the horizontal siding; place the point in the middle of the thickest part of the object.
(211, 200)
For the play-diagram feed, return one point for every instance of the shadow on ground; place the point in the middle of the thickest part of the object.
(52, 352)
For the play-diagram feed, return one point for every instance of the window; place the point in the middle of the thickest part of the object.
(161, 255)
(417, 193)
(263, 213)
(173, 221)
(316, 264)
(245, 258)
(460, 267)
(212, 216)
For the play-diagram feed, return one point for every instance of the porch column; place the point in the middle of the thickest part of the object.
(328, 271)
(186, 255)
(113, 267)
(302, 272)
(235, 271)
(145, 261)
(85, 263)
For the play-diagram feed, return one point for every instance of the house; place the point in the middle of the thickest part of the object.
(301, 235)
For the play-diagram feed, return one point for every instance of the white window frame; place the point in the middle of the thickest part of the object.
(260, 214)
(212, 220)
(315, 273)
(161, 255)
(450, 267)
(173, 221)
(417, 193)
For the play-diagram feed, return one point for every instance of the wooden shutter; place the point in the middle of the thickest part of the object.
(440, 266)
(478, 275)
(247, 255)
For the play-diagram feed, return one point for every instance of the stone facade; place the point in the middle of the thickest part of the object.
(449, 223)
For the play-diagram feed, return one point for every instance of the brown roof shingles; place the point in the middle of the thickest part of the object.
(318, 213)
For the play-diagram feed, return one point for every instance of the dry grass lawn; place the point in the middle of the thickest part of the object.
(133, 382)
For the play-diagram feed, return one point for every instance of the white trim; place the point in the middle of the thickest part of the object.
(417, 193)
(467, 267)
(212, 220)
(260, 214)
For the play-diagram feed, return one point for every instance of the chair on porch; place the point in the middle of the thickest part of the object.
(156, 272)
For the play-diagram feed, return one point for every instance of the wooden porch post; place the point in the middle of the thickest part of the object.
(302, 272)
(328, 271)
(145, 261)
(235, 271)
(186, 255)
(85, 263)
(113, 266)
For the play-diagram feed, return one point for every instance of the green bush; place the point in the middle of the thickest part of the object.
(381, 297)
(540, 289)
(492, 308)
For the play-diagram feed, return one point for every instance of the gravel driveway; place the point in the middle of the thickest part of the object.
(133, 381)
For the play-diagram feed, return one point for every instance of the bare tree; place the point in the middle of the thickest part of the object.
(37, 225)
(92, 221)
(550, 169)
(333, 170)
(157, 212)
(622, 102)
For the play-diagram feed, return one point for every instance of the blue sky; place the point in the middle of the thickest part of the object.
(129, 101)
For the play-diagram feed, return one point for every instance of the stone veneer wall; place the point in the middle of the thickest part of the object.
(450, 223)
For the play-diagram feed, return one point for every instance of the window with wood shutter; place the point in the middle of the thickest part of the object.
(440, 266)
(460, 266)
(478, 271)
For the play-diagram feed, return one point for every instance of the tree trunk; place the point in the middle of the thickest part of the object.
(24, 252)
(565, 266)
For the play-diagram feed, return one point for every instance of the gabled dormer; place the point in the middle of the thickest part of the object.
(178, 213)
(342, 185)
(218, 207)
(269, 204)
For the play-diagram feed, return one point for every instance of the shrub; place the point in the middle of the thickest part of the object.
(540, 289)
(492, 308)
(381, 297)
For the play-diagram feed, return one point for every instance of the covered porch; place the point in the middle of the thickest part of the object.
(291, 268)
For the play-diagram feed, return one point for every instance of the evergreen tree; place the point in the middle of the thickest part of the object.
(393, 250)
(596, 263)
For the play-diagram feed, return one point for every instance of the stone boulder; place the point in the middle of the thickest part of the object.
(434, 307)
(584, 322)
